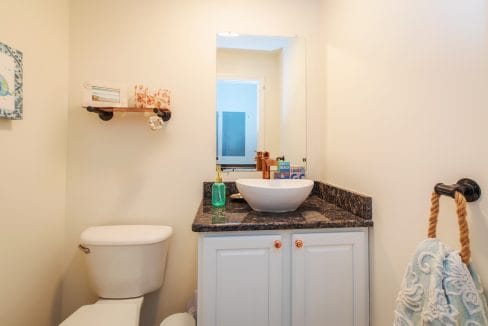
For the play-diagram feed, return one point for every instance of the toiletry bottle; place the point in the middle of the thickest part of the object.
(259, 163)
(218, 190)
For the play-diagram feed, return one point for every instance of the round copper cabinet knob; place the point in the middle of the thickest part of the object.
(298, 243)
(277, 244)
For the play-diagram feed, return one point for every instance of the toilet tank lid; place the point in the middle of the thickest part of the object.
(119, 235)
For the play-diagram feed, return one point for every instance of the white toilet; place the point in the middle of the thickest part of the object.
(124, 263)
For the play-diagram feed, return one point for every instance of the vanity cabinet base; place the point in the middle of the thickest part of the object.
(284, 278)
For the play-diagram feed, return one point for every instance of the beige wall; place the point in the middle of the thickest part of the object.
(264, 66)
(32, 173)
(407, 108)
(120, 171)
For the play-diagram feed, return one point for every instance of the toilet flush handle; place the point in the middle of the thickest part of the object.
(84, 249)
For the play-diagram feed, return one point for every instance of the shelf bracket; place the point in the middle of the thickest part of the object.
(102, 114)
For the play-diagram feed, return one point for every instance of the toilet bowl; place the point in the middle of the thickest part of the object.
(123, 312)
(125, 262)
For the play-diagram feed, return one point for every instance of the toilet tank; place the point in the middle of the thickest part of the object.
(126, 261)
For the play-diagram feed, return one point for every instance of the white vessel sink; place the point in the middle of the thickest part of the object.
(278, 195)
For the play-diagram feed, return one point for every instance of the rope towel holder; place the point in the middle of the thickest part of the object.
(465, 190)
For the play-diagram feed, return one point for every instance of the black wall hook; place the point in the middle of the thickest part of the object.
(164, 114)
(469, 188)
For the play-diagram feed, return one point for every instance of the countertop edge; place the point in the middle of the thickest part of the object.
(351, 221)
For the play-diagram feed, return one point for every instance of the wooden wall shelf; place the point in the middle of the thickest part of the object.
(107, 113)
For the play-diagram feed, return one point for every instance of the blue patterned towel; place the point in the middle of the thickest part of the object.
(438, 289)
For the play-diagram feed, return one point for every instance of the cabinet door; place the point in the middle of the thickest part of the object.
(240, 281)
(330, 279)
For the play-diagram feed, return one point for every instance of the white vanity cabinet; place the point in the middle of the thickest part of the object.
(316, 277)
(329, 283)
(240, 281)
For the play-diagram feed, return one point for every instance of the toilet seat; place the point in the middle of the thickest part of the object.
(181, 319)
(107, 313)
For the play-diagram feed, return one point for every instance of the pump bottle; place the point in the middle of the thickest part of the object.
(218, 190)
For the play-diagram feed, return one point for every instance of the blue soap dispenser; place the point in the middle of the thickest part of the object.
(218, 190)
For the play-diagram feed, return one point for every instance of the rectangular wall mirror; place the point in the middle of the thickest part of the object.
(261, 99)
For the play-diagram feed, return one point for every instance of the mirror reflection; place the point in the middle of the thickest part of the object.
(261, 99)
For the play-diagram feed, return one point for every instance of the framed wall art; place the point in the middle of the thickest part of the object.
(11, 83)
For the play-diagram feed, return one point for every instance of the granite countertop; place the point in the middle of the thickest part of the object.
(326, 207)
